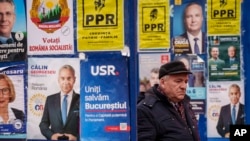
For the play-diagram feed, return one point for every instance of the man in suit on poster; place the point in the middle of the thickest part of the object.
(56, 123)
(193, 41)
(9, 39)
(7, 20)
(232, 113)
(232, 59)
(214, 62)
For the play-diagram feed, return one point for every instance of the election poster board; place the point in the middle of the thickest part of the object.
(105, 110)
(51, 25)
(43, 82)
(217, 97)
(15, 47)
(100, 25)
(153, 25)
(13, 98)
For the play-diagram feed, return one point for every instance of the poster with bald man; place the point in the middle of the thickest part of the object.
(189, 27)
(50, 79)
(225, 107)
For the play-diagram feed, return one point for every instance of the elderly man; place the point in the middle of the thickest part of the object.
(166, 113)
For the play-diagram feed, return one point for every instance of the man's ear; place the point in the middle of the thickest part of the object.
(161, 81)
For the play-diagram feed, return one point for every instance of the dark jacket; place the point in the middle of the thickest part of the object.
(235, 62)
(52, 120)
(157, 119)
(225, 119)
(19, 114)
(140, 97)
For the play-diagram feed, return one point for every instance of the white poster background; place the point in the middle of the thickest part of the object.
(41, 86)
(39, 38)
(217, 96)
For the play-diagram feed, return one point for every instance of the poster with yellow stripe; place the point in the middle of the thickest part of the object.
(100, 25)
(153, 24)
(224, 16)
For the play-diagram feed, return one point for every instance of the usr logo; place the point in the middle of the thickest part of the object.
(103, 70)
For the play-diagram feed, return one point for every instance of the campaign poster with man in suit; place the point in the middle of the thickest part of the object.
(225, 107)
(189, 27)
(13, 34)
(50, 79)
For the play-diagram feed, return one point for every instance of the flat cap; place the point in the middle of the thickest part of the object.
(173, 67)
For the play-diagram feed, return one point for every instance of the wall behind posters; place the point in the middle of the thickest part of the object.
(131, 41)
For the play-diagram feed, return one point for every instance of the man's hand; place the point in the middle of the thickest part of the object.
(227, 135)
(55, 136)
(71, 137)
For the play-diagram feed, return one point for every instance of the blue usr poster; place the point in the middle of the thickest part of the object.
(104, 107)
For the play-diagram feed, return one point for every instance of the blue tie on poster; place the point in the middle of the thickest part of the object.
(64, 109)
(105, 108)
(233, 115)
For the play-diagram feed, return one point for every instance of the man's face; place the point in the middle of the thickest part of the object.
(7, 18)
(231, 52)
(66, 80)
(154, 78)
(142, 88)
(234, 95)
(193, 18)
(174, 86)
(215, 53)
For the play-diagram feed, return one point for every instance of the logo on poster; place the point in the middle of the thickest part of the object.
(99, 13)
(153, 19)
(213, 112)
(36, 104)
(103, 70)
(17, 124)
(226, 9)
(49, 15)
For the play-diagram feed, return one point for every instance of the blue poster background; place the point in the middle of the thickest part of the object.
(178, 23)
(104, 107)
(20, 24)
